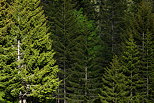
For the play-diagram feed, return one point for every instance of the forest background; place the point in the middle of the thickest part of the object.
(77, 51)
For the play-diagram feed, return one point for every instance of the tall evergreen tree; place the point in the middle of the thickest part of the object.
(111, 23)
(77, 46)
(88, 8)
(29, 70)
(64, 23)
(7, 54)
(131, 61)
(114, 87)
(141, 26)
(89, 64)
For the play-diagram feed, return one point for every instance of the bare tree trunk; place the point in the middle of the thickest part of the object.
(64, 84)
(24, 100)
(131, 92)
(147, 64)
(20, 94)
(58, 101)
(64, 8)
(147, 71)
(18, 53)
(21, 99)
(113, 100)
(86, 77)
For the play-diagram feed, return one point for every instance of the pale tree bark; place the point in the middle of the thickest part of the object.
(21, 96)
(18, 53)
(64, 8)
(147, 67)
(86, 78)
(24, 100)
(64, 83)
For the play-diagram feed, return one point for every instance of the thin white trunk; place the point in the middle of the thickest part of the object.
(143, 44)
(58, 101)
(64, 8)
(113, 91)
(19, 57)
(131, 92)
(86, 78)
(147, 52)
(20, 97)
(20, 101)
(18, 45)
(147, 77)
(147, 85)
(24, 101)
(18, 54)
(64, 85)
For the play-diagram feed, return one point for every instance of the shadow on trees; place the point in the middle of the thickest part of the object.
(1, 101)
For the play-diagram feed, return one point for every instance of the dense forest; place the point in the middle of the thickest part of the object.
(76, 51)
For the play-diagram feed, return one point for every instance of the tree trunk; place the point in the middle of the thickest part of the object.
(21, 99)
(86, 77)
(24, 100)
(20, 94)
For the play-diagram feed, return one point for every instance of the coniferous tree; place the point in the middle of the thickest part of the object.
(77, 46)
(141, 26)
(89, 64)
(7, 54)
(88, 8)
(64, 23)
(114, 87)
(31, 71)
(111, 23)
(65, 30)
(131, 61)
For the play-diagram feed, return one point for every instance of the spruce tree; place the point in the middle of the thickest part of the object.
(64, 23)
(88, 65)
(111, 24)
(7, 51)
(114, 88)
(31, 70)
(141, 26)
(88, 8)
(131, 61)
(78, 48)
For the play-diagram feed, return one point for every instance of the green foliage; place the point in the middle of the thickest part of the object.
(115, 88)
(141, 26)
(131, 61)
(7, 51)
(67, 41)
(87, 7)
(34, 74)
(77, 48)
(89, 64)
(86, 35)
(111, 24)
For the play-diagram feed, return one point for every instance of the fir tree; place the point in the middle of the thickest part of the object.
(31, 71)
(88, 65)
(111, 23)
(131, 61)
(141, 26)
(77, 46)
(114, 87)
(88, 8)
(64, 23)
(7, 50)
